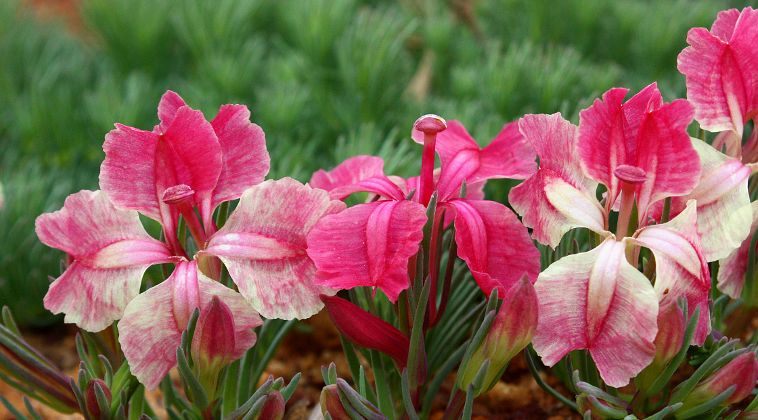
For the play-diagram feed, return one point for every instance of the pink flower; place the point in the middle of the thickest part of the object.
(722, 85)
(108, 250)
(740, 373)
(211, 162)
(371, 244)
(153, 322)
(640, 151)
(734, 267)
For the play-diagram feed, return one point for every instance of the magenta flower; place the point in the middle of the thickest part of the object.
(371, 244)
(211, 162)
(597, 300)
(722, 85)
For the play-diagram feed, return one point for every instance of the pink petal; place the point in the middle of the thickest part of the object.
(243, 146)
(680, 266)
(263, 246)
(150, 332)
(645, 133)
(140, 165)
(367, 330)
(732, 269)
(381, 185)
(351, 171)
(167, 107)
(110, 251)
(496, 247)
(368, 245)
(572, 200)
(723, 202)
(719, 70)
(597, 301)
(509, 155)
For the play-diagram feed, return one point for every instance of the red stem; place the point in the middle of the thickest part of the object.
(426, 186)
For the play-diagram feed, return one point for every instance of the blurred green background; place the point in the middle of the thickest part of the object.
(325, 79)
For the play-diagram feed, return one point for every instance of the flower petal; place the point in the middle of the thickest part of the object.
(509, 155)
(243, 146)
(554, 140)
(645, 133)
(367, 330)
(597, 301)
(110, 251)
(167, 107)
(349, 172)
(723, 202)
(381, 185)
(496, 247)
(263, 247)
(368, 245)
(680, 266)
(150, 333)
(733, 268)
(719, 68)
(140, 165)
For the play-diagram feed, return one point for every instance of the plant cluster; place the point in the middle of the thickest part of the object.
(646, 261)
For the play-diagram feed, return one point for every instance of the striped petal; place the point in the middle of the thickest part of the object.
(110, 252)
(681, 270)
(733, 268)
(496, 247)
(719, 68)
(153, 322)
(558, 197)
(597, 301)
(347, 173)
(368, 245)
(263, 247)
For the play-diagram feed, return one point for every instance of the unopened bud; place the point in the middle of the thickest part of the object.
(331, 404)
(273, 408)
(214, 342)
(511, 331)
(741, 372)
(93, 406)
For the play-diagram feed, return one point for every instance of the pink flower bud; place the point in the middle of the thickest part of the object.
(90, 397)
(273, 408)
(331, 404)
(670, 338)
(741, 372)
(214, 342)
(511, 331)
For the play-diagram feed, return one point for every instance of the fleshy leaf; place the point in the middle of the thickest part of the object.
(367, 330)
(153, 322)
(554, 140)
(733, 268)
(368, 245)
(680, 266)
(719, 67)
(263, 247)
(110, 251)
(597, 301)
(496, 247)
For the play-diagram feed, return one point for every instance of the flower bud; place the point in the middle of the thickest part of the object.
(90, 397)
(741, 372)
(511, 331)
(213, 343)
(331, 404)
(670, 338)
(273, 408)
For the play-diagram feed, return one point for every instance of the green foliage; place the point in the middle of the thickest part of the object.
(325, 79)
